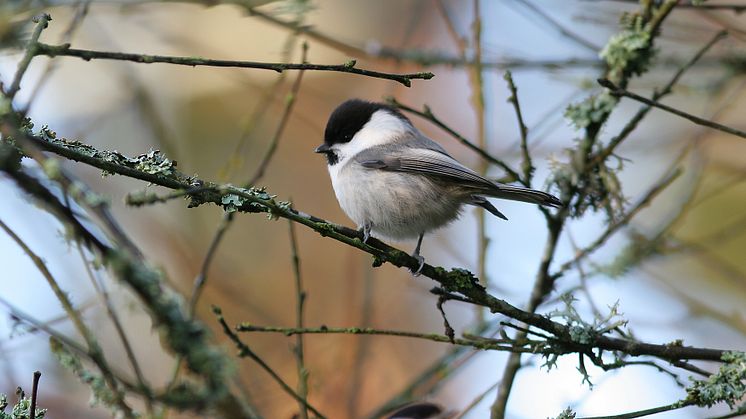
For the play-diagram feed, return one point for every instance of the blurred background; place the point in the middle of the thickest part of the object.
(218, 123)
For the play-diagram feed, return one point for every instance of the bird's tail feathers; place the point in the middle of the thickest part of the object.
(518, 193)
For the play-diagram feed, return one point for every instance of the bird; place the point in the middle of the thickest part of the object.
(395, 183)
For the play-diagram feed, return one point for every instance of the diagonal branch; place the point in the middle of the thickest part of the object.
(245, 200)
(623, 221)
(245, 351)
(618, 91)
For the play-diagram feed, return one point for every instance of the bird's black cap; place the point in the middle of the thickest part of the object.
(349, 118)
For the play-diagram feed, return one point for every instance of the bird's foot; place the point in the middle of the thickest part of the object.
(366, 231)
(421, 260)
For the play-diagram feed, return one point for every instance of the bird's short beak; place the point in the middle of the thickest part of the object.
(323, 148)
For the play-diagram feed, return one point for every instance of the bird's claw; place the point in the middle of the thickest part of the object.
(366, 231)
(421, 260)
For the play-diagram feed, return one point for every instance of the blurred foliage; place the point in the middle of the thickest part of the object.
(21, 409)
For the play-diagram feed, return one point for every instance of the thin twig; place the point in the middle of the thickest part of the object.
(290, 100)
(621, 222)
(201, 278)
(618, 91)
(427, 382)
(658, 94)
(141, 198)
(103, 295)
(299, 304)
(494, 344)
(476, 401)
(42, 21)
(34, 395)
(576, 38)
(236, 159)
(94, 350)
(449, 332)
(645, 412)
(81, 11)
(311, 33)
(65, 50)
(245, 351)
(477, 83)
(359, 373)
(737, 8)
(199, 284)
(526, 165)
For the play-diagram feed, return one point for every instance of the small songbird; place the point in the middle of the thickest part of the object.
(396, 183)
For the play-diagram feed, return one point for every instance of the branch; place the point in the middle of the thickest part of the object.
(186, 337)
(201, 279)
(645, 412)
(526, 165)
(576, 38)
(290, 100)
(300, 301)
(42, 21)
(486, 344)
(258, 201)
(65, 50)
(34, 394)
(245, 351)
(690, 5)
(94, 350)
(633, 61)
(618, 91)
(621, 222)
(658, 94)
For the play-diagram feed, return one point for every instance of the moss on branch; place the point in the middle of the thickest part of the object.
(255, 200)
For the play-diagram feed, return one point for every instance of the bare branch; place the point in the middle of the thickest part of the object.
(456, 280)
(65, 50)
(618, 91)
(526, 165)
(290, 100)
(300, 301)
(245, 351)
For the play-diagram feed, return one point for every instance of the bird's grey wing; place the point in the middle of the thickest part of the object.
(434, 164)
(418, 140)
(430, 162)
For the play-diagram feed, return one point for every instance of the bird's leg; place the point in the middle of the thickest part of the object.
(367, 226)
(417, 256)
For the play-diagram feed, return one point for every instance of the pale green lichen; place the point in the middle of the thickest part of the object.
(186, 337)
(232, 202)
(566, 414)
(593, 109)
(20, 410)
(100, 392)
(297, 8)
(580, 330)
(629, 52)
(153, 162)
(727, 385)
(458, 280)
(602, 190)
